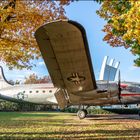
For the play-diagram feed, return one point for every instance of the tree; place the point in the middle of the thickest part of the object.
(19, 19)
(34, 79)
(123, 24)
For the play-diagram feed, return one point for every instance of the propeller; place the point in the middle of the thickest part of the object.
(119, 84)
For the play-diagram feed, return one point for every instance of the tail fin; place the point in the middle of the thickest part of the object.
(3, 82)
(108, 71)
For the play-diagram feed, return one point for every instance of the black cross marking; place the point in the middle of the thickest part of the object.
(76, 78)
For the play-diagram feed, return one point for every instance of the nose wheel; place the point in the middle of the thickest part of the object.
(82, 113)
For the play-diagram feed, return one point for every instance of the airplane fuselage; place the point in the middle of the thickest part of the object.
(130, 93)
(32, 93)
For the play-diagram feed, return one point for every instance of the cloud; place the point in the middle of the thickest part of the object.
(41, 63)
(133, 68)
(17, 74)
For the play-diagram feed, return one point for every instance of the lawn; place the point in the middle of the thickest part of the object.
(58, 125)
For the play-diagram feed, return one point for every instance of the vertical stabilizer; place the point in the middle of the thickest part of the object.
(108, 71)
(101, 76)
(3, 82)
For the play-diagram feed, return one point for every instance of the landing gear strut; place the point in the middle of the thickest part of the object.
(82, 113)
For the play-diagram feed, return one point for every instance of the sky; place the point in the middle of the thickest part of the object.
(84, 12)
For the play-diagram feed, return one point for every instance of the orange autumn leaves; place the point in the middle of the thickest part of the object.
(18, 21)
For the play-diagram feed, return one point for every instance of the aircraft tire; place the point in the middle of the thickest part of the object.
(82, 114)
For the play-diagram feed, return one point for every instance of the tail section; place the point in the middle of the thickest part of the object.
(3, 82)
(108, 71)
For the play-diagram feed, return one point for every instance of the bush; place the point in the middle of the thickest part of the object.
(71, 110)
(8, 106)
(124, 110)
(105, 111)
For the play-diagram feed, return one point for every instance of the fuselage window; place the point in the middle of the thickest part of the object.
(43, 91)
(37, 91)
(50, 91)
(23, 91)
(30, 92)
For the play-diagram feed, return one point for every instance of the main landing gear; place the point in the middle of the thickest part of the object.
(82, 113)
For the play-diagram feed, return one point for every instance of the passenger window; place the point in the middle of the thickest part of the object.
(50, 91)
(37, 91)
(30, 92)
(43, 91)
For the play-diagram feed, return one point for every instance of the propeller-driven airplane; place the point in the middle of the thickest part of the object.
(65, 50)
(44, 93)
(64, 47)
(30, 93)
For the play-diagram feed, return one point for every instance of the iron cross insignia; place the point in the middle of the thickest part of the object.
(76, 78)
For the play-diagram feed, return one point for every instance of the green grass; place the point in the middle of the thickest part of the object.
(58, 125)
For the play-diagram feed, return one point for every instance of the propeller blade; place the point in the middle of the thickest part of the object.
(119, 84)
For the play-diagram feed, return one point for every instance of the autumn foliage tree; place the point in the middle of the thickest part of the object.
(123, 24)
(34, 79)
(19, 19)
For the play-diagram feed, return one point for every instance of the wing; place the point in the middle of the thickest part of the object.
(64, 48)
